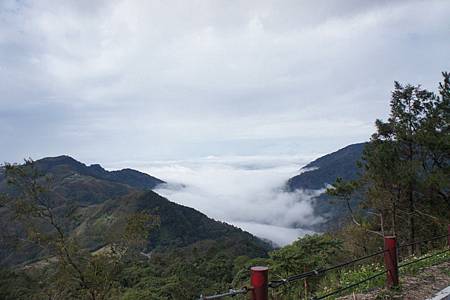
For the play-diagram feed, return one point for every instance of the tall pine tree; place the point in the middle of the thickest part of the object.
(406, 176)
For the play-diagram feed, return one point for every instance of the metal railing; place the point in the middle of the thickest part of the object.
(260, 284)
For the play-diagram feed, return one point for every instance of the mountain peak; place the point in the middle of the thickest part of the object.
(129, 177)
(60, 159)
(97, 167)
(325, 169)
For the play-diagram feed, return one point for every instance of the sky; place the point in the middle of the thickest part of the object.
(226, 98)
(111, 81)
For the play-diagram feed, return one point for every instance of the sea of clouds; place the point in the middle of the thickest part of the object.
(246, 191)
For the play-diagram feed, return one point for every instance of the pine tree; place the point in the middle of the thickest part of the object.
(405, 165)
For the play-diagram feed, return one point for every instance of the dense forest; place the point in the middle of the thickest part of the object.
(74, 233)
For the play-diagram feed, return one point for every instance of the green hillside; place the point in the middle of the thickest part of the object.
(324, 171)
(89, 202)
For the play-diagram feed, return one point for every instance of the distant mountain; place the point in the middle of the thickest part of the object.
(98, 202)
(129, 177)
(323, 171)
(326, 169)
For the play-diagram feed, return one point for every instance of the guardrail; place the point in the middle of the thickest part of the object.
(259, 283)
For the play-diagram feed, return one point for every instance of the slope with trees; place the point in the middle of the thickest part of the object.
(320, 173)
(405, 167)
(76, 236)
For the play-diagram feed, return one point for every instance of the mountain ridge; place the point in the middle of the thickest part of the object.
(127, 176)
(88, 205)
(323, 171)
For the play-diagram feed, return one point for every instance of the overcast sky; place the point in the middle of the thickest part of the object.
(110, 81)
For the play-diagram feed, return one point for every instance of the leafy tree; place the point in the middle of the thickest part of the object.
(74, 272)
(305, 254)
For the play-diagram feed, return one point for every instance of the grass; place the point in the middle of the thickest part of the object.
(346, 277)
(435, 257)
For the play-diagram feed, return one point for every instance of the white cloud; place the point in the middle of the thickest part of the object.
(278, 235)
(244, 191)
(115, 80)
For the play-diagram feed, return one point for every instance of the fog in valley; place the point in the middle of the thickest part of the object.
(246, 191)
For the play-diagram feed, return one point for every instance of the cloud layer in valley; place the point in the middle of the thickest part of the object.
(145, 80)
(244, 191)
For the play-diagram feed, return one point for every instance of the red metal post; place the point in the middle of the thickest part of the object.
(259, 283)
(390, 260)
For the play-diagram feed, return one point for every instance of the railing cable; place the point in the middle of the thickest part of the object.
(230, 293)
(321, 271)
(350, 286)
(423, 258)
(422, 241)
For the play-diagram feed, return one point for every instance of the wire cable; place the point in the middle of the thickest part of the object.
(422, 241)
(420, 259)
(321, 271)
(230, 293)
(354, 261)
(350, 286)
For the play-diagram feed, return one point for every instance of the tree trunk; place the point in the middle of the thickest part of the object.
(412, 233)
(394, 217)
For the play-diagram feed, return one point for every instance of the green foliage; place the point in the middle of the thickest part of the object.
(357, 241)
(74, 272)
(205, 267)
(135, 246)
(342, 189)
(353, 274)
(408, 159)
(305, 254)
(350, 275)
(16, 285)
(405, 168)
(431, 258)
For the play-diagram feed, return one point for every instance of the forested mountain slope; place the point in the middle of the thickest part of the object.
(324, 171)
(63, 164)
(93, 205)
